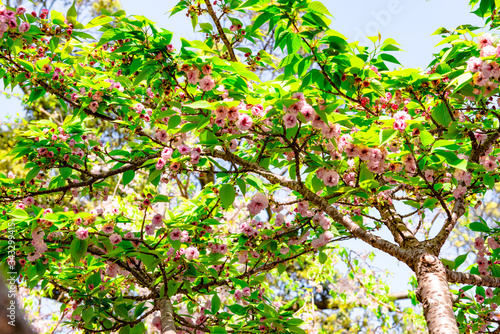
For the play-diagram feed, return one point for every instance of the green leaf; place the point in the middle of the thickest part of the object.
(217, 330)
(78, 249)
(387, 135)
(215, 303)
(243, 71)
(365, 174)
(479, 227)
(461, 81)
(261, 19)
(32, 174)
(145, 73)
(460, 259)
(54, 42)
(128, 176)
(377, 87)
(441, 115)
(99, 21)
(449, 264)
(65, 172)
(389, 58)
(242, 185)
(318, 7)
(154, 174)
(426, 138)
(19, 214)
(322, 257)
(172, 287)
(489, 180)
(72, 13)
(36, 93)
(227, 195)
(174, 121)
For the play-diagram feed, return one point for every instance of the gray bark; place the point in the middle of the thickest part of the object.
(11, 318)
(435, 296)
(167, 315)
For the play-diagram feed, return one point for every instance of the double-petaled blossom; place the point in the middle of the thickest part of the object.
(192, 253)
(160, 163)
(24, 27)
(82, 233)
(290, 120)
(400, 119)
(207, 83)
(193, 76)
(258, 110)
(330, 177)
(459, 191)
(244, 122)
(493, 243)
(115, 238)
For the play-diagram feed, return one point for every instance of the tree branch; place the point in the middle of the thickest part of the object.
(222, 34)
(471, 279)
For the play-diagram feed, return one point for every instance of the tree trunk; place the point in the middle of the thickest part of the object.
(435, 296)
(167, 315)
(11, 318)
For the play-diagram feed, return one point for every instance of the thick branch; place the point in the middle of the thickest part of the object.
(471, 279)
(164, 305)
(458, 210)
(393, 220)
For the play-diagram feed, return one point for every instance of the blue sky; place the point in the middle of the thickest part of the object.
(409, 22)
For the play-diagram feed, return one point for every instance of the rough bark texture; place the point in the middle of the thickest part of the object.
(167, 315)
(7, 318)
(434, 295)
(471, 279)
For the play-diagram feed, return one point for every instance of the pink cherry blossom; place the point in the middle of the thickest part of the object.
(258, 203)
(459, 191)
(258, 110)
(82, 233)
(330, 178)
(157, 323)
(484, 40)
(115, 239)
(166, 153)
(488, 51)
(489, 164)
(238, 294)
(20, 10)
(157, 220)
(193, 76)
(290, 120)
(246, 291)
(244, 122)
(479, 244)
(207, 83)
(184, 149)
(175, 234)
(24, 27)
(160, 163)
(493, 243)
(192, 253)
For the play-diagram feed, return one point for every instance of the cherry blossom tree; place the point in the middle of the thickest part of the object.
(337, 146)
